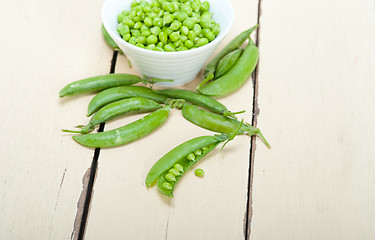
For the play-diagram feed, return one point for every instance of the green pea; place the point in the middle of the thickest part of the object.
(134, 3)
(129, 22)
(216, 29)
(135, 33)
(147, 9)
(205, 22)
(187, 9)
(197, 29)
(170, 177)
(160, 44)
(126, 36)
(146, 33)
(163, 37)
(159, 49)
(167, 19)
(190, 157)
(169, 47)
(181, 16)
(205, 6)
(157, 21)
(150, 46)
(169, 7)
(167, 185)
(174, 171)
(175, 25)
(137, 19)
(199, 172)
(195, 6)
(177, 43)
(206, 32)
(183, 38)
(198, 152)
(148, 21)
(154, 3)
(174, 36)
(137, 25)
(189, 22)
(182, 48)
(144, 28)
(167, 30)
(191, 35)
(152, 39)
(179, 167)
(184, 30)
(140, 45)
(133, 40)
(189, 44)
(155, 30)
(201, 42)
(123, 29)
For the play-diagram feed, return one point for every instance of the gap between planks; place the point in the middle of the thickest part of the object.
(88, 180)
(254, 122)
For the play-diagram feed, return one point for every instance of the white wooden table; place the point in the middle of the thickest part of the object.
(313, 96)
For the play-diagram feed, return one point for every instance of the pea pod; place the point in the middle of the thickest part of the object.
(218, 123)
(117, 93)
(112, 44)
(101, 82)
(127, 133)
(236, 76)
(227, 62)
(209, 70)
(198, 99)
(116, 109)
(171, 167)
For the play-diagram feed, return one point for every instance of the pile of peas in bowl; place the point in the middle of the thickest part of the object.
(162, 25)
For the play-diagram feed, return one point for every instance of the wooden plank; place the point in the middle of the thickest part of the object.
(44, 45)
(210, 208)
(316, 99)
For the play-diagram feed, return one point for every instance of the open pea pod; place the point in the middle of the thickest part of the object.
(171, 167)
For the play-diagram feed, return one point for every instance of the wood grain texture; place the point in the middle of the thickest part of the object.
(316, 99)
(44, 45)
(213, 207)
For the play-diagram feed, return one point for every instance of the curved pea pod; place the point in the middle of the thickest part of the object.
(171, 167)
(127, 133)
(234, 44)
(117, 93)
(227, 62)
(119, 108)
(110, 41)
(218, 123)
(100, 82)
(236, 76)
(198, 99)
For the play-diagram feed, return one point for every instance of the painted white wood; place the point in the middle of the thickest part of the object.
(43, 46)
(209, 208)
(316, 99)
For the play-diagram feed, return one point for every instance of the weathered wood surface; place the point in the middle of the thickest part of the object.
(314, 91)
(43, 46)
(316, 96)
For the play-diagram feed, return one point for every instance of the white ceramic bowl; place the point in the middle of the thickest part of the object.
(182, 67)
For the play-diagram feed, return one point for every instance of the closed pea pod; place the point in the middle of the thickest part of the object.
(110, 41)
(236, 76)
(127, 133)
(218, 123)
(198, 99)
(235, 43)
(227, 62)
(101, 82)
(117, 109)
(117, 93)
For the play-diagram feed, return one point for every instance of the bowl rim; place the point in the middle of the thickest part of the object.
(218, 38)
